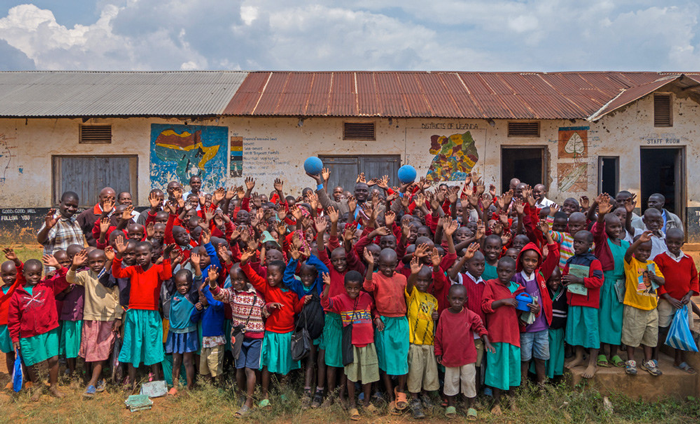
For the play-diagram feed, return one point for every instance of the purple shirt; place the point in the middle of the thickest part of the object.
(72, 304)
(533, 289)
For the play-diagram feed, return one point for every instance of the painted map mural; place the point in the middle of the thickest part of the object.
(180, 151)
(455, 156)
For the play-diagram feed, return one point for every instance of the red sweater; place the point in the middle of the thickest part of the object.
(356, 311)
(144, 293)
(338, 278)
(602, 249)
(281, 320)
(681, 277)
(501, 323)
(454, 340)
(388, 293)
(5, 297)
(593, 283)
(32, 314)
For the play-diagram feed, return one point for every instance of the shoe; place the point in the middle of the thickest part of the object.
(317, 400)
(417, 409)
(651, 368)
(427, 403)
(101, 385)
(631, 367)
(89, 392)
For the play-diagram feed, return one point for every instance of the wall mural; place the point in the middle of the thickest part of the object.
(180, 151)
(572, 168)
(455, 156)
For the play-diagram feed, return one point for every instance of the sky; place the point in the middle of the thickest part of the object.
(438, 35)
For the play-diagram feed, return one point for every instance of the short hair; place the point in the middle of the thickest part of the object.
(187, 273)
(69, 195)
(353, 277)
(506, 260)
(144, 244)
(278, 264)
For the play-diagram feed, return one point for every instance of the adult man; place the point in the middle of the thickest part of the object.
(361, 193)
(124, 198)
(88, 217)
(61, 228)
(539, 192)
(670, 220)
(195, 187)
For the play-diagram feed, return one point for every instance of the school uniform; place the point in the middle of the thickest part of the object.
(681, 279)
(70, 319)
(213, 340)
(640, 319)
(6, 293)
(557, 330)
(582, 328)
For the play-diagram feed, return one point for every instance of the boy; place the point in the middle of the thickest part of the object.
(454, 348)
(577, 222)
(355, 307)
(388, 288)
(640, 319)
(422, 314)
(583, 277)
(555, 365)
(503, 364)
(681, 285)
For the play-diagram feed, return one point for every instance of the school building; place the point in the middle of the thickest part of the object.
(579, 133)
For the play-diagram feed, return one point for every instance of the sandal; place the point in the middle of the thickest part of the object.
(401, 400)
(354, 414)
(617, 362)
(631, 367)
(317, 400)
(686, 368)
(451, 412)
(172, 392)
(651, 368)
(371, 409)
(89, 392)
(417, 408)
(101, 385)
(265, 403)
(243, 411)
(603, 361)
(471, 414)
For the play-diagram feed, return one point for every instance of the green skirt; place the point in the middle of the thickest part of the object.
(276, 353)
(71, 332)
(227, 335)
(333, 340)
(503, 367)
(582, 327)
(392, 345)
(610, 312)
(39, 348)
(143, 338)
(5, 340)
(555, 364)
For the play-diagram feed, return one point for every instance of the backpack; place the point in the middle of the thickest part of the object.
(312, 318)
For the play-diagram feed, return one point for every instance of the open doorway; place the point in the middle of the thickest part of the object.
(524, 163)
(663, 171)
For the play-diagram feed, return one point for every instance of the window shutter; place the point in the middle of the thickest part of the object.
(95, 134)
(662, 110)
(358, 131)
(523, 129)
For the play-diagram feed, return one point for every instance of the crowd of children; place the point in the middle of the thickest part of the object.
(396, 292)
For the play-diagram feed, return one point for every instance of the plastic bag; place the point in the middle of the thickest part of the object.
(17, 376)
(679, 335)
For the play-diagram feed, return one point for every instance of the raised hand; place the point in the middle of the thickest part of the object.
(361, 178)
(326, 278)
(604, 205)
(646, 236)
(384, 182)
(320, 223)
(519, 206)
(486, 200)
(585, 202)
(249, 183)
(10, 254)
(49, 219)
(453, 192)
(389, 218)
(543, 226)
(177, 193)
(553, 209)
(313, 201)
(352, 204)
(278, 184)
(435, 257)
(450, 227)
(416, 266)
(368, 256)
(128, 213)
(222, 251)
(294, 252)
(382, 231)
(422, 250)
(631, 203)
(471, 250)
(326, 174)
(49, 260)
(105, 224)
(218, 195)
(79, 259)
(120, 244)
(169, 249)
(332, 214)
(205, 237)
(107, 206)
(213, 275)
(349, 233)
(109, 253)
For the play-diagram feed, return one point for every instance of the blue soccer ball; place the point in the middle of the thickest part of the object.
(407, 174)
(313, 165)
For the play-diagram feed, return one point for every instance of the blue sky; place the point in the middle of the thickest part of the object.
(496, 35)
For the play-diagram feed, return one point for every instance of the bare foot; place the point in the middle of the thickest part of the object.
(578, 360)
(55, 393)
(590, 371)
(496, 410)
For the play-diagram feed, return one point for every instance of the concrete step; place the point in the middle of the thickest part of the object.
(673, 382)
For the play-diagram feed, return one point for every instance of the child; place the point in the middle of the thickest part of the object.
(33, 322)
(640, 319)
(583, 277)
(454, 348)
(388, 288)
(503, 363)
(577, 222)
(532, 274)
(211, 362)
(555, 364)
(681, 285)
(493, 245)
(143, 326)
(246, 312)
(422, 314)
(610, 250)
(275, 356)
(101, 315)
(355, 308)
(11, 274)
(70, 319)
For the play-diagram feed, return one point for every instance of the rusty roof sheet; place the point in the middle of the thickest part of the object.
(497, 95)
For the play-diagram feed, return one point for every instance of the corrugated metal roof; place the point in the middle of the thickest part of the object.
(84, 94)
(498, 95)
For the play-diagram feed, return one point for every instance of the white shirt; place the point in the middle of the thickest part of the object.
(544, 203)
(658, 244)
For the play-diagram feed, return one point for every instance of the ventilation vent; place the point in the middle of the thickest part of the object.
(523, 129)
(95, 134)
(662, 110)
(358, 131)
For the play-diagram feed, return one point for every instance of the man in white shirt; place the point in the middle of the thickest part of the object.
(539, 192)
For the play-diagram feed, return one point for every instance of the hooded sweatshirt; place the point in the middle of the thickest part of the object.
(537, 285)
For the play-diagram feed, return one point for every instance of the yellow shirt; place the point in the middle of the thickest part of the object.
(420, 316)
(639, 292)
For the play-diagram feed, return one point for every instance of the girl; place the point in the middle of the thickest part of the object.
(11, 273)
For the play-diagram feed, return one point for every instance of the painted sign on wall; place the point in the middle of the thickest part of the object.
(572, 166)
(180, 151)
(455, 156)
(236, 165)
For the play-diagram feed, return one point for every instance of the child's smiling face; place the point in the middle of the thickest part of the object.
(274, 275)
(96, 260)
(8, 273)
(308, 275)
(529, 259)
(554, 280)
(387, 262)
(339, 260)
(352, 288)
(239, 281)
(582, 242)
(32, 272)
(182, 283)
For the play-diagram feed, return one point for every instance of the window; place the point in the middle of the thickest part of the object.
(526, 163)
(662, 110)
(87, 175)
(95, 134)
(609, 175)
(523, 129)
(345, 169)
(358, 131)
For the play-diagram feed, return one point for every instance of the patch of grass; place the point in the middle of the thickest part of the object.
(26, 252)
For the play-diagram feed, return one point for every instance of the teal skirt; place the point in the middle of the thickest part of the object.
(39, 348)
(392, 345)
(71, 332)
(582, 327)
(610, 312)
(276, 353)
(503, 367)
(227, 335)
(555, 364)
(333, 340)
(143, 338)
(5, 340)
